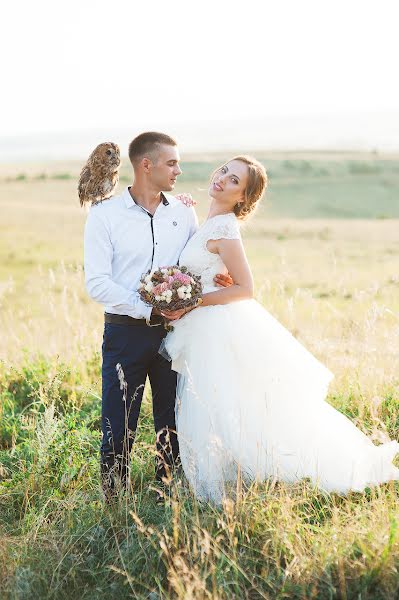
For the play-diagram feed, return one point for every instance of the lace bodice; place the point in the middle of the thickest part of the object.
(198, 259)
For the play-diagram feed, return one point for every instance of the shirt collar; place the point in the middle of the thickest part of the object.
(129, 201)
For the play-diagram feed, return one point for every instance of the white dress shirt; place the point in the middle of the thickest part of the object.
(122, 241)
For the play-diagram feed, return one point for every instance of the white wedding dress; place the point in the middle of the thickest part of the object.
(251, 398)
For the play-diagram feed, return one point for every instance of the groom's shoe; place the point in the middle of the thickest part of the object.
(160, 498)
(167, 455)
(164, 493)
(107, 476)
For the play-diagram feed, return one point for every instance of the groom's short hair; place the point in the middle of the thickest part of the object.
(147, 144)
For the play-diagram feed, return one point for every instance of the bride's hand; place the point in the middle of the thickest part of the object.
(173, 315)
(177, 314)
(223, 280)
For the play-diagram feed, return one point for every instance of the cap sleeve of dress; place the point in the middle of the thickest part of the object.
(224, 227)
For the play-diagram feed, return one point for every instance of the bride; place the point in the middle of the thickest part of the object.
(250, 398)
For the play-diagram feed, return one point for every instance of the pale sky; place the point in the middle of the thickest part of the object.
(89, 64)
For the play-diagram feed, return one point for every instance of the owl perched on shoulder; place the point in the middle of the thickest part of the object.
(100, 175)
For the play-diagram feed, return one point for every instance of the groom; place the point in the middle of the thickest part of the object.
(143, 228)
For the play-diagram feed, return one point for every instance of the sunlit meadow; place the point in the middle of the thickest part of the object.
(324, 249)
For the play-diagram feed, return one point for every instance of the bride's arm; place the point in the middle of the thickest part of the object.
(233, 256)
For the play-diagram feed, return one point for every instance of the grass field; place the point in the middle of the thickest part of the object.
(324, 249)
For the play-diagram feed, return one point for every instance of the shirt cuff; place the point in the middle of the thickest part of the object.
(141, 310)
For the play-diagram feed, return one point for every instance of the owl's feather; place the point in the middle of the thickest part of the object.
(100, 175)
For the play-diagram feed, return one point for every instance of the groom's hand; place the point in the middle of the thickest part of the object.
(223, 280)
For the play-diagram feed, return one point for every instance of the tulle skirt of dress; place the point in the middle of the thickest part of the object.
(251, 398)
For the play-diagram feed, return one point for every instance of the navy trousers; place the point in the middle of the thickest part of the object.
(135, 348)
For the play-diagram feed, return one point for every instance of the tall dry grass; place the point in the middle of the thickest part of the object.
(335, 285)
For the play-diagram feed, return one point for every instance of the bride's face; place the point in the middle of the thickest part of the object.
(229, 182)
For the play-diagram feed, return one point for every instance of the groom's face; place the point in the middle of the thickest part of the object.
(165, 168)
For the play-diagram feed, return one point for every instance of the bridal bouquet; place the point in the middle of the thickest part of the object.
(170, 288)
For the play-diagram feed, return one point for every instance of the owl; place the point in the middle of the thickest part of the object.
(100, 175)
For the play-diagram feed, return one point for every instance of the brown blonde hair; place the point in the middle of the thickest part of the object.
(256, 185)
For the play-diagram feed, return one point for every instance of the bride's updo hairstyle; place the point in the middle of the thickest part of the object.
(256, 186)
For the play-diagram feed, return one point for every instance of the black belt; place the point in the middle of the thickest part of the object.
(126, 320)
